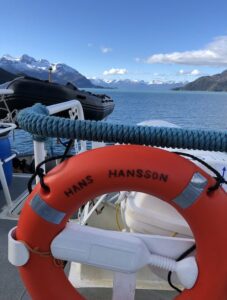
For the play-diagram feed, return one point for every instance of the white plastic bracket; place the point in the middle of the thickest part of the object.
(18, 254)
(124, 252)
(120, 252)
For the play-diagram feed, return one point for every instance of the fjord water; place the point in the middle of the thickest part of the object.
(207, 110)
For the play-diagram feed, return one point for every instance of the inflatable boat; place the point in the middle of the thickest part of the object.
(28, 91)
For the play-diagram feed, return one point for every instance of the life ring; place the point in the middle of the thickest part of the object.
(165, 175)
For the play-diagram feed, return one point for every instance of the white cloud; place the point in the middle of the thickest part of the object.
(214, 54)
(115, 72)
(106, 50)
(137, 59)
(194, 72)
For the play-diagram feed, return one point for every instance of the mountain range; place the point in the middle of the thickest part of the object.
(136, 84)
(11, 67)
(217, 83)
(27, 65)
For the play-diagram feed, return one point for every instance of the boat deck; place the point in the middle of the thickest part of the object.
(11, 286)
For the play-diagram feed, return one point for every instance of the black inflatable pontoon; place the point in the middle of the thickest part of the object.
(28, 91)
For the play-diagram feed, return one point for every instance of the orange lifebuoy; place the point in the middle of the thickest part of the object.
(165, 175)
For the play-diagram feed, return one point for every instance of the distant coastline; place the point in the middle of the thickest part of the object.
(215, 83)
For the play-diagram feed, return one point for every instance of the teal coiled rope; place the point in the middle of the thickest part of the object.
(37, 121)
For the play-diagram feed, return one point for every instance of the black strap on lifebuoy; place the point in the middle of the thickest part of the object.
(218, 177)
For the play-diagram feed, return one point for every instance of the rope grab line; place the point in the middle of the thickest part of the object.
(37, 121)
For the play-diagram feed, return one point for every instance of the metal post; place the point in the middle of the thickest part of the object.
(124, 286)
(7, 127)
(88, 213)
(39, 155)
(5, 186)
(39, 150)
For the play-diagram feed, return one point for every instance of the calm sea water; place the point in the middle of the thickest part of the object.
(188, 109)
(207, 110)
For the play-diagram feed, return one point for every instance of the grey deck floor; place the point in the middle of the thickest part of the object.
(106, 294)
(16, 188)
(11, 286)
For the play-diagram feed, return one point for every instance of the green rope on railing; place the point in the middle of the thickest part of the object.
(37, 121)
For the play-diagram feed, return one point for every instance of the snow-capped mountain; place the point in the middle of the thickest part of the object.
(136, 84)
(28, 65)
(62, 73)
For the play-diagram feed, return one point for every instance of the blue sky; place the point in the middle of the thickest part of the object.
(137, 39)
